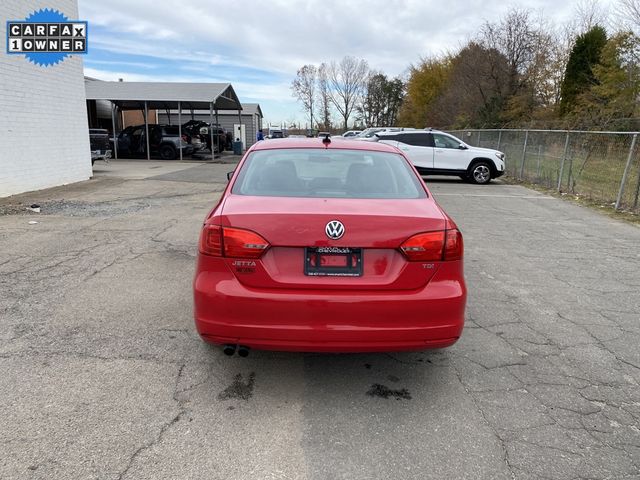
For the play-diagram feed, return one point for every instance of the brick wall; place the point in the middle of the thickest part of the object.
(44, 139)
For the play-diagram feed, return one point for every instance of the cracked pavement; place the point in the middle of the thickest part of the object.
(104, 377)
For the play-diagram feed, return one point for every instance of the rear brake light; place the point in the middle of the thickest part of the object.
(424, 246)
(243, 243)
(231, 242)
(434, 246)
(454, 246)
(211, 240)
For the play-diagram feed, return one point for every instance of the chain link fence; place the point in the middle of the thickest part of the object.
(602, 166)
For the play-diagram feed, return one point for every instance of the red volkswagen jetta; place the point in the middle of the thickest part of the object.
(324, 246)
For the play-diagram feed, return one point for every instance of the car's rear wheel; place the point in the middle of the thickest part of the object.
(480, 173)
(167, 152)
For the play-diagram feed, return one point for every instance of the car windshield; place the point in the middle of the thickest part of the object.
(337, 173)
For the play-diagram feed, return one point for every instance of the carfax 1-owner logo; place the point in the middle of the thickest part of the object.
(46, 37)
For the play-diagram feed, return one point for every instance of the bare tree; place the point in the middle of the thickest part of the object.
(590, 13)
(629, 14)
(324, 96)
(347, 80)
(304, 89)
(515, 38)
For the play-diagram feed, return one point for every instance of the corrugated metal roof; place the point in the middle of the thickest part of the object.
(247, 109)
(251, 109)
(130, 95)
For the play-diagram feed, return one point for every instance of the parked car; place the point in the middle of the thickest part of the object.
(164, 141)
(275, 133)
(351, 133)
(370, 133)
(433, 152)
(201, 129)
(99, 143)
(328, 246)
(194, 136)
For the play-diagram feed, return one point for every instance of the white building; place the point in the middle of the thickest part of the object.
(44, 140)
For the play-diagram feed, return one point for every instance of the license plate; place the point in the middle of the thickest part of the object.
(333, 261)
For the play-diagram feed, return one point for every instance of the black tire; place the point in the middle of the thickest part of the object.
(167, 152)
(480, 173)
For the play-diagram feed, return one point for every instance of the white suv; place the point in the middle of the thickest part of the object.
(437, 153)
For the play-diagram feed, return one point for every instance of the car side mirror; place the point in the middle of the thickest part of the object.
(462, 146)
(229, 175)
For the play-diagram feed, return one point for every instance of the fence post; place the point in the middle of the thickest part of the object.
(499, 139)
(626, 171)
(635, 200)
(564, 157)
(524, 153)
(479, 132)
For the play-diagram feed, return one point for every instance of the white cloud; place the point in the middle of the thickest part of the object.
(279, 36)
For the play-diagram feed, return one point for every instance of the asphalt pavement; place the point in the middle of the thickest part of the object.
(102, 375)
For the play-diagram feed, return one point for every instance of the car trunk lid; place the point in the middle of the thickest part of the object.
(377, 227)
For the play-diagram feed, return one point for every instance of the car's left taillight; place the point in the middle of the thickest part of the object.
(220, 241)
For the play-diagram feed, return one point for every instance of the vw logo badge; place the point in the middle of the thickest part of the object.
(334, 229)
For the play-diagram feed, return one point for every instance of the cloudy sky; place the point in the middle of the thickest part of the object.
(258, 46)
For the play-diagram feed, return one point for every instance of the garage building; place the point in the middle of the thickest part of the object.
(174, 103)
(228, 119)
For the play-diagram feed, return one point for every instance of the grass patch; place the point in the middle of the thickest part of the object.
(582, 200)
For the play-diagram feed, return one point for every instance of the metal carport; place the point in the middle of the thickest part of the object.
(164, 95)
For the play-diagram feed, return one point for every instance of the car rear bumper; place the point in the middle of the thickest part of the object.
(226, 312)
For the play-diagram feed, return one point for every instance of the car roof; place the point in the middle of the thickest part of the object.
(343, 144)
(410, 132)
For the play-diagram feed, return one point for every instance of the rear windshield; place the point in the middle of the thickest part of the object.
(327, 173)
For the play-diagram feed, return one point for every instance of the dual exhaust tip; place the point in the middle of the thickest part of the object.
(229, 350)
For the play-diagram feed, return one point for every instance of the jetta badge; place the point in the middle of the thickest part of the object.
(334, 229)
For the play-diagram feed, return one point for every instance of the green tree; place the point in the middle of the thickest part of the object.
(381, 101)
(614, 95)
(579, 75)
(426, 83)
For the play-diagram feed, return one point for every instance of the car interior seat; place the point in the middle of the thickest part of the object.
(280, 176)
(364, 179)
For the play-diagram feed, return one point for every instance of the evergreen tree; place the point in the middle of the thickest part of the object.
(579, 75)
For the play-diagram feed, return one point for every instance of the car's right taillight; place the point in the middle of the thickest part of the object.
(220, 241)
(434, 246)
(211, 240)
